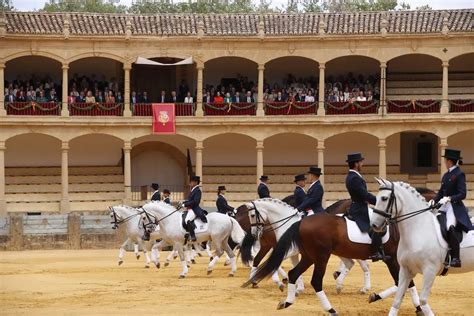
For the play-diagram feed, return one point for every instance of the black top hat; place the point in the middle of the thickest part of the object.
(155, 186)
(354, 157)
(315, 171)
(221, 188)
(263, 178)
(452, 154)
(299, 177)
(195, 178)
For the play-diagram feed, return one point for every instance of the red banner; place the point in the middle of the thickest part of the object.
(164, 118)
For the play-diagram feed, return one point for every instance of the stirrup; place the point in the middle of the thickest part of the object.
(379, 256)
(455, 263)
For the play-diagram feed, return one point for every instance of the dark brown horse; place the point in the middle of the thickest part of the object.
(317, 237)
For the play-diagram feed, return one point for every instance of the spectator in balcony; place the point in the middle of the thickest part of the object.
(134, 98)
(347, 94)
(188, 98)
(21, 97)
(110, 97)
(90, 98)
(31, 94)
(52, 96)
(340, 97)
(162, 98)
(42, 97)
(10, 97)
(82, 98)
(361, 97)
(144, 98)
(370, 97)
(71, 98)
(237, 98)
(227, 98)
(98, 96)
(119, 97)
(174, 97)
(249, 98)
(309, 97)
(280, 97)
(207, 97)
(183, 90)
(218, 98)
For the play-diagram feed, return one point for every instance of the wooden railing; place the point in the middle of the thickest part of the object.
(461, 106)
(356, 107)
(33, 108)
(223, 109)
(290, 108)
(413, 106)
(181, 109)
(96, 109)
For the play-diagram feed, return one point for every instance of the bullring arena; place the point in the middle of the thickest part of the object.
(304, 90)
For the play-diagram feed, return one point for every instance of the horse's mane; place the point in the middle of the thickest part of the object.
(422, 190)
(169, 206)
(411, 189)
(277, 201)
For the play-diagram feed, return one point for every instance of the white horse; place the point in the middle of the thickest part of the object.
(219, 228)
(421, 250)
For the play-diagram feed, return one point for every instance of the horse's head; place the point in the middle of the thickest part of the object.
(148, 218)
(384, 208)
(257, 217)
(118, 214)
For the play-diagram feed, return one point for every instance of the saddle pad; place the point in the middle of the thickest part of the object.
(355, 235)
(467, 238)
(201, 227)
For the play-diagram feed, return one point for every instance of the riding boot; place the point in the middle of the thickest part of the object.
(146, 234)
(377, 247)
(191, 228)
(454, 245)
(441, 216)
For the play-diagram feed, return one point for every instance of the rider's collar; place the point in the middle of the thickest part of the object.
(452, 168)
(194, 187)
(357, 172)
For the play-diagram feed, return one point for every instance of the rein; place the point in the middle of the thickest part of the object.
(117, 221)
(156, 221)
(260, 222)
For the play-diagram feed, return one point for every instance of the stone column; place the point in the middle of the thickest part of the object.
(382, 159)
(199, 149)
(74, 231)
(259, 160)
(3, 112)
(383, 88)
(65, 205)
(321, 109)
(16, 232)
(127, 112)
(260, 105)
(3, 202)
(443, 143)
(321, 159)
(127, 172)
(199, 96)
(64, 97)
(444, 97)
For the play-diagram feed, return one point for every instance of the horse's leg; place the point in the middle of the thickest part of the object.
(293, 276)
(299, 282)
(122, 251)
(344, 267)
(184, 264)
(317, 281)
(136, 250)
(283, 274)
(428, 278)
(264, 249)
(173, 254)
(232, 259)
(147, 256)
(193, 255)
(208, 250)
(404, 279)
(365, 267)
(276, 280)
(155, 254)
(213, 262)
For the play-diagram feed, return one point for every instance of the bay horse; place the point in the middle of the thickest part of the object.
(316, 237)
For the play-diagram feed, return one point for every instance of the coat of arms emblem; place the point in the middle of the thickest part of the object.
(164, 117)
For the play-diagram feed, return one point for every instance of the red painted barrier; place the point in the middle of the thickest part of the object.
(287, 108)
(33, 108)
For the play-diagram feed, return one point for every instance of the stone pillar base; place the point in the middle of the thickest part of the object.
(74, 231)
(3, 208)
(199, 110)
(444, 107)
(127, 112)
(65, 111)
(260, 111)
(16, 232)
(3, 112)
(321, 110)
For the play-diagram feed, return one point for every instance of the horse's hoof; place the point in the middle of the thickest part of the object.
(226, 263)
(336, 274)
(182, 276)
(199, 254)
(374, 297)
(193, 261)
(210, 259)
(209, 272)
(332, 312)
(120, 262)
(174, 257)
(167, 264)
(157, 265)
(419, 311)
(147, 266)
(281, 287)
(283, 305)
(338, 289)
(254, 286)
(138, 257)
(363, 290)
(297, 293)
(285, 281)
(188, 265)
(231, 274)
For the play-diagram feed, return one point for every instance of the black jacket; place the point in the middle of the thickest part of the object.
(167, 200)
(156, 196)
(222, 205)
(263, 191)
(193, 201)
(313, 199)
(299, 195)
(360, 197)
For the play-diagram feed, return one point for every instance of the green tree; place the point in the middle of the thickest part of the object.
(100, 6)
(311, 6)
(6, 5)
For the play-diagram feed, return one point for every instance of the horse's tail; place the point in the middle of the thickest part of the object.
(289, 241)
(246, 248)
(237, 234)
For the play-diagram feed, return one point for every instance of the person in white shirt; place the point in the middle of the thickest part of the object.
(361, 97)
(188, 98)
(309, 97)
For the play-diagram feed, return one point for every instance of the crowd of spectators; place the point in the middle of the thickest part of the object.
(33, 90)
(351, 89)
(91, 89)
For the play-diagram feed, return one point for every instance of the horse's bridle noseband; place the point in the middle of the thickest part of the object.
(152, 220)
(117, 221)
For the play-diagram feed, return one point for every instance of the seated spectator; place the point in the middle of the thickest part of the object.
(361, 97)
(89, 98)
(81, 98)
(52, 96)
(31, 94)
(99, 97)
(309, 97)
(10, 97)
(71, 98)
(280, 97)
(144, 98)
(207, 97)
(162, 98)
(370, 97)
(249, 98)
(188, 98)
(110, 97)
(119, 97)
(218, 98)
(21, 97)
(174, 97)
(237, 98)
(42, 97)
(134, 98)
(227, 98)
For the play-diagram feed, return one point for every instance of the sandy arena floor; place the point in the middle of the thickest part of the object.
(89, 282)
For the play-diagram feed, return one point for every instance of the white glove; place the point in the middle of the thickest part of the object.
(445, 200)
(431, 203)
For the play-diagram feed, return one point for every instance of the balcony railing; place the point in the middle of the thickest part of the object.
(33, 108)
(96, 109)
(290, 108)
(461, 106)
(181, 109)
(224, 109)
(413, 106)
(356, 107)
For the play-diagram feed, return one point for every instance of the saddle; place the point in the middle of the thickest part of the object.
(200, 225)
(357, 236)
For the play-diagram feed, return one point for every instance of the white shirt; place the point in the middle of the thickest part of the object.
(309, 98)
(356, 172)
(188, 100)
(360, 98)
(452, 168)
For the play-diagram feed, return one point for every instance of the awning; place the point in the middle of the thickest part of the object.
(144, 61)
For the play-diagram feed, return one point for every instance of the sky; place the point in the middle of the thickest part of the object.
(30, 5)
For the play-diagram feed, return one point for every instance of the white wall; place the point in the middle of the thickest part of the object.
(337, 148)
(290, 149)
(465, 142)
(156, 166)
(33, 150)
(230, 150)
(229, 67)
(95, 150)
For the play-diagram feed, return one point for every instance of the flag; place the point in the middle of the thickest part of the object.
(164, 118)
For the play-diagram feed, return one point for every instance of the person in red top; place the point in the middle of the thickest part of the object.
(218, 98)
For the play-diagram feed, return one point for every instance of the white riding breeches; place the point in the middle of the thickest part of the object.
(190, 216)
(450, 218)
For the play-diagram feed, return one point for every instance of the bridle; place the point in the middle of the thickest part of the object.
(116, 222)
(388, 213)
(153, 221)
(261, 224)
